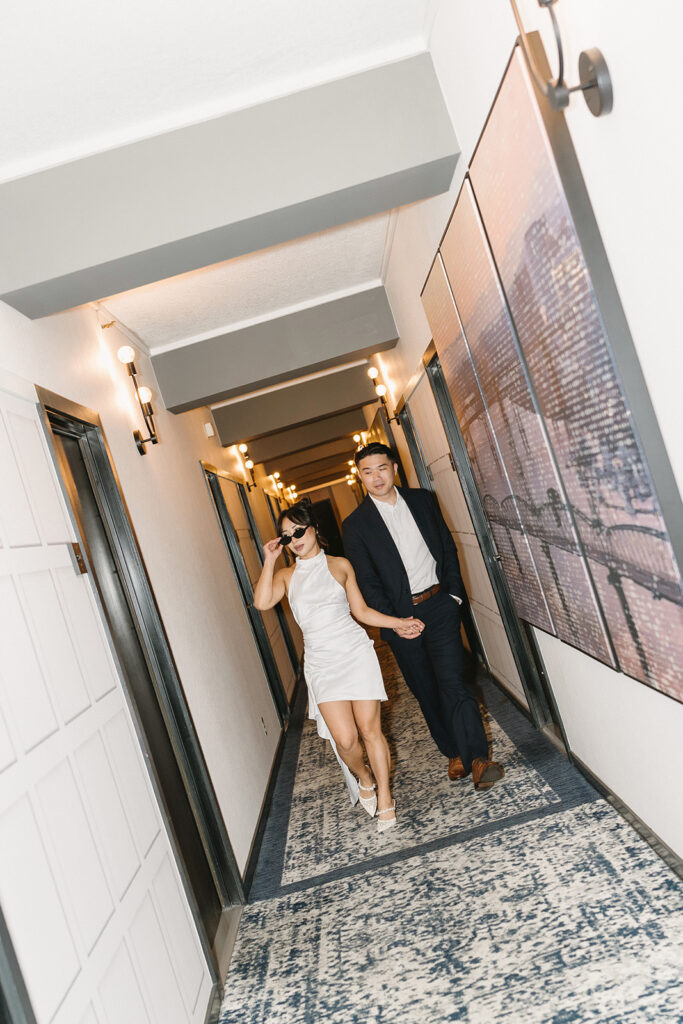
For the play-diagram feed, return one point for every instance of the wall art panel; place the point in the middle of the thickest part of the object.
(487, 464)
(551, 292)
(523, 444)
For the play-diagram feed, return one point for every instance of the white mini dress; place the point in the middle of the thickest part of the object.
(339, 657)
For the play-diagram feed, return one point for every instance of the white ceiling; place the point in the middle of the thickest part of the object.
(78, 77)
(253, 287)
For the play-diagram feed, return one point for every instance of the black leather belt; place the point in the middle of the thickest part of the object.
(424, 594)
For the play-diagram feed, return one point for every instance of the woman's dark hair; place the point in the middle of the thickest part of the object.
(376, 448)
(303, 515)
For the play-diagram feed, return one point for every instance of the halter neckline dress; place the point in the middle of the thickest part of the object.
(339, 657)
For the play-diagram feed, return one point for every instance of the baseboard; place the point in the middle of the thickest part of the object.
(669, 856)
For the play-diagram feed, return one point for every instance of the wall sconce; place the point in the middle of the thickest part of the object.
(381, 391)
(248, 465)
(594, 78)
(126, 355)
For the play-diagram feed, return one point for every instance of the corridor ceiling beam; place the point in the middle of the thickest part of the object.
(281, 441)
(344, 447)
(228, 365)
(293, 406)
(205, 193)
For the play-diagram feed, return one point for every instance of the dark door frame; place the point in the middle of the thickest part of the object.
(15, 1004)
(279, 611)
(212, 478)
(86, 425)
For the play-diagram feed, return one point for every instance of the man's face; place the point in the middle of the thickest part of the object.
(377, 474)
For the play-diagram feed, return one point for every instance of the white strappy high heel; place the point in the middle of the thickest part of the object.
(368, 804)
(384, 823)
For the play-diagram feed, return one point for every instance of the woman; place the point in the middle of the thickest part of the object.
(342, 672)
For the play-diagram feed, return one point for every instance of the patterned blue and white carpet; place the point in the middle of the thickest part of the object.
(532, 903)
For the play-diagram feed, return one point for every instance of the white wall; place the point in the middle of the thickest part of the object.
(631, 161)
(180, 541)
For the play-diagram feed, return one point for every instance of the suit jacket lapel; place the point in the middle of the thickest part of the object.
(381, 536)
(423, 523)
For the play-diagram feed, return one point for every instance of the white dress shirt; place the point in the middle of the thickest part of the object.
(417, 559)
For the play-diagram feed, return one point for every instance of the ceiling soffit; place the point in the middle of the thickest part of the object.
(280, 349)
(200, 195)
(283, 441)
(344, 448)
(294, 406)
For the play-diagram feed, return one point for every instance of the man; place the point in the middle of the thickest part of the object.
(406, 564)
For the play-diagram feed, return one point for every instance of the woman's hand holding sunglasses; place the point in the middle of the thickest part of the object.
(272, 550)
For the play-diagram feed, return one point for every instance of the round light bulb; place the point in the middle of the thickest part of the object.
(243, 448)
(380, 390)
(281, 486)
(276, 476)
(249, 463)
(126, 354)
(356, 438)
(350, 483)
(354, 469)
(351, 462)
(145, 395)
(373, 373)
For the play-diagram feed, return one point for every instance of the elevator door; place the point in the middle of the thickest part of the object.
(140, 685)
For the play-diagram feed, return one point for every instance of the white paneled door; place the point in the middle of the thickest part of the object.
(434, 443)
(89, 886)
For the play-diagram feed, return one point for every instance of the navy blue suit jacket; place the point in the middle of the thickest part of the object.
(379, 569)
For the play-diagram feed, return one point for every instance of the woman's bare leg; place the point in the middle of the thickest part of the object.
(367, 716)
(339, 719)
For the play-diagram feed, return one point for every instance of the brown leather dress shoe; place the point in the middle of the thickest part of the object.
(456, 769)
(485, 773)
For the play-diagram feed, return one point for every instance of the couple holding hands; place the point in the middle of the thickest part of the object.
(401, 574)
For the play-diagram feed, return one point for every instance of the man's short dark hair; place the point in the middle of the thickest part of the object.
(376, 448)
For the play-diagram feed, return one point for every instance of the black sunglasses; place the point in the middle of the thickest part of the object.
(298, 533)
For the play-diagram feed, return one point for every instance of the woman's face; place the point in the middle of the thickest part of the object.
(303, 547)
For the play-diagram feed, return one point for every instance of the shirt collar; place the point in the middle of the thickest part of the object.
(384, 506)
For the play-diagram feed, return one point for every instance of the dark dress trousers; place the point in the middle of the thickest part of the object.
(432, 665)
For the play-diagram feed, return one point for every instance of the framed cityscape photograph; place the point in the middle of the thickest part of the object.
(559, 378)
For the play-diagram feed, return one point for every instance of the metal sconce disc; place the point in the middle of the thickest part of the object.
(139, 442)
(596, 82)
